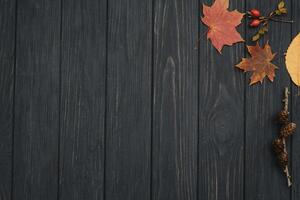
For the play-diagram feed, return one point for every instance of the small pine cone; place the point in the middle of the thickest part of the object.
(287, 130)
(283, 117)
(283, 159)
(278, 146)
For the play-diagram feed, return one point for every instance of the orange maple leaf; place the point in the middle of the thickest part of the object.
(259, 63)
(222, 24)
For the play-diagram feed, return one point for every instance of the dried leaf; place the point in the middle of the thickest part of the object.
(283, 10)
(259, 63)
(293, 60)
(261, 31)
(278, 12)
(222, 24)
(281, 5)
(256, 37)
(265, 28)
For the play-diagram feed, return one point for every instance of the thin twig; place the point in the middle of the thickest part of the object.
(280, 20)
(286, 170)
(286, 107)
(198, 40)
(286, 99)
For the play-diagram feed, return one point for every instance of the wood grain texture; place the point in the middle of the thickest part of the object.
(7, 59)
(36, 100)
(221, 118)
(295, 112)
(128, 136)
(264, 178)
(83, 71)
(109, 100)
(175, 100)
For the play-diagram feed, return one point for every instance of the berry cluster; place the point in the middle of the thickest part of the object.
(258, 20)
(255, 14)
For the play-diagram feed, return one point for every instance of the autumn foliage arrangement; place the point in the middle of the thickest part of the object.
(222, 24)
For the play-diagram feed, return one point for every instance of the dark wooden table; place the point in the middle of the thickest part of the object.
(109, 100)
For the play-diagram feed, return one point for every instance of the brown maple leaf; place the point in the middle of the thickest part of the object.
(259, 63)
(222, 24)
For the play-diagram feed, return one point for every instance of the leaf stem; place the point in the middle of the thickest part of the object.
(199, 38)
(280, 20)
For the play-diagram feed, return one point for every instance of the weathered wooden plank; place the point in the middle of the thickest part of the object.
(128, 144)
(264, 178)
(295, 102)
(36, 100)
(82, 120)
(175, 100)
(221, 118)
(7, 59)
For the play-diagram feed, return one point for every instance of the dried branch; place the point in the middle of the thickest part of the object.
(286, 108)
(279, 144)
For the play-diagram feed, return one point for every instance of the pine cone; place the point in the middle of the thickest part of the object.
(283, 117)
(287, 130)
(283, 159)
(278, 146)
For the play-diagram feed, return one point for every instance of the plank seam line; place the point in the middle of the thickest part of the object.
(14, 103)
(198, 104)
(59, 101)
(152, 98)
(245, 110)
(292, 106)
(105, 101)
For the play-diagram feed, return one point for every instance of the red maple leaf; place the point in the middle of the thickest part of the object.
(222, 24)
(259, 63)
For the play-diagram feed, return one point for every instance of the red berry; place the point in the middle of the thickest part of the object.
(255, 23)
(255, 13)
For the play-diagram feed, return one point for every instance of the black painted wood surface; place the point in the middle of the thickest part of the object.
(36, 97)
(128, 100)
(82, 100)
(110, 100)
(175, 96)
(7, 70)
